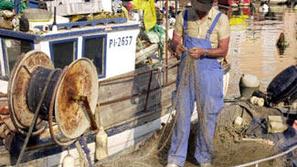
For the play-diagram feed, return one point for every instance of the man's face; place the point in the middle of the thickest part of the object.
(197, 7)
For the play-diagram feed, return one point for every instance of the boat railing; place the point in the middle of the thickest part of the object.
(257, 162)
(151, 71)
(166, 67)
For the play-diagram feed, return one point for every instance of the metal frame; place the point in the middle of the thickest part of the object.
(104, 36)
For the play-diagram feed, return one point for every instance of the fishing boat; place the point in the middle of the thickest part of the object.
(133, 101)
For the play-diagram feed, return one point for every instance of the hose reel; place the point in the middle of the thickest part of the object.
(66, 98)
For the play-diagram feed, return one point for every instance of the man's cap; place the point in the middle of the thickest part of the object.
(202, 5)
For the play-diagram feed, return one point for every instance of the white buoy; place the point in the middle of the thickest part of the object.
(249, 81)
(68, 161)
(257, 101)
(261, 102)
(101, 144)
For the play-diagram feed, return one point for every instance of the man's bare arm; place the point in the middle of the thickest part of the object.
(220, 51)
(177, 44)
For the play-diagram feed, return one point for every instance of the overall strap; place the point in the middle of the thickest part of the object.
(185, 25)
(214, 23)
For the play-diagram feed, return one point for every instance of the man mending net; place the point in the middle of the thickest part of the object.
(201, 39)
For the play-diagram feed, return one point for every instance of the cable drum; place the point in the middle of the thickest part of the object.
(64, 99)
(37, 84)
(38, 93)
(19, 80)
(78, 81)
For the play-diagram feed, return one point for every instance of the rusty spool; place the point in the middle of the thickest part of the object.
(37, 83)
(78, 80)
(18, 85)
(59, 104)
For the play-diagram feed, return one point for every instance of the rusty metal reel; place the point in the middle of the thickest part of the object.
(80, 79)
(17, 91)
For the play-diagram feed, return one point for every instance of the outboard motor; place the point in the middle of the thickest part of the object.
(283, 88)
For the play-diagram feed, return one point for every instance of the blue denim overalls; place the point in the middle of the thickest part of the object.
(210, 76)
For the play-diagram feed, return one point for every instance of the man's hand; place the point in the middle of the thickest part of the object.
(176, 51)
(177, 45)
(179, 49)
(196, 52)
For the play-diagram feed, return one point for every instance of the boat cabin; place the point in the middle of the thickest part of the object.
(109, 43)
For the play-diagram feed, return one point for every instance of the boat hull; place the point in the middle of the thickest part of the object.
(132, 107)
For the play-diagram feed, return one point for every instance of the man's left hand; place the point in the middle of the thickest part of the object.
(196, 52)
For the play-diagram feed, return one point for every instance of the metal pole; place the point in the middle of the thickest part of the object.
(166, 40)
(176, 6)
(148, 91)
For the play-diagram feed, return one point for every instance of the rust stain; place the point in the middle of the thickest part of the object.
(77, 82)
(23, 115)
(4, 108)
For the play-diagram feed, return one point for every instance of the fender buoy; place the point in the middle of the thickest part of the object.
(249, 81)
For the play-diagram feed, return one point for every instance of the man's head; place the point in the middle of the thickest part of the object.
(202, 6)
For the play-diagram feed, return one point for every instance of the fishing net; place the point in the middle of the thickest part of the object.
(155, 151)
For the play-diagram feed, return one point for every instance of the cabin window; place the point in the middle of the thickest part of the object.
(12, 50)
(63, 52)
(94, 49)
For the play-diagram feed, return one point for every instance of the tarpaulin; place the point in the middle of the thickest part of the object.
(149, 17)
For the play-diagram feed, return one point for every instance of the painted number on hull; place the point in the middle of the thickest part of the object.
(120, 41)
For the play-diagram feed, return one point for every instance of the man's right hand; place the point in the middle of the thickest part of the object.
(179, 49)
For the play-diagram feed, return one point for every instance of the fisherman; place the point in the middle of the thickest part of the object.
(202, 35)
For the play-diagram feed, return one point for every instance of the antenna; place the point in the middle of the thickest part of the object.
(54, 26)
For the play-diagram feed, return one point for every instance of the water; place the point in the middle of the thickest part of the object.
(254, 43)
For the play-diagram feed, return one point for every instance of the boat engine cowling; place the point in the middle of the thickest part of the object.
(283, 87)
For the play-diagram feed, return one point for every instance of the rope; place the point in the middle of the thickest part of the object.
(51, 117)
(36, 113)
(268, 158)
(151, 151)
(86, 150)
